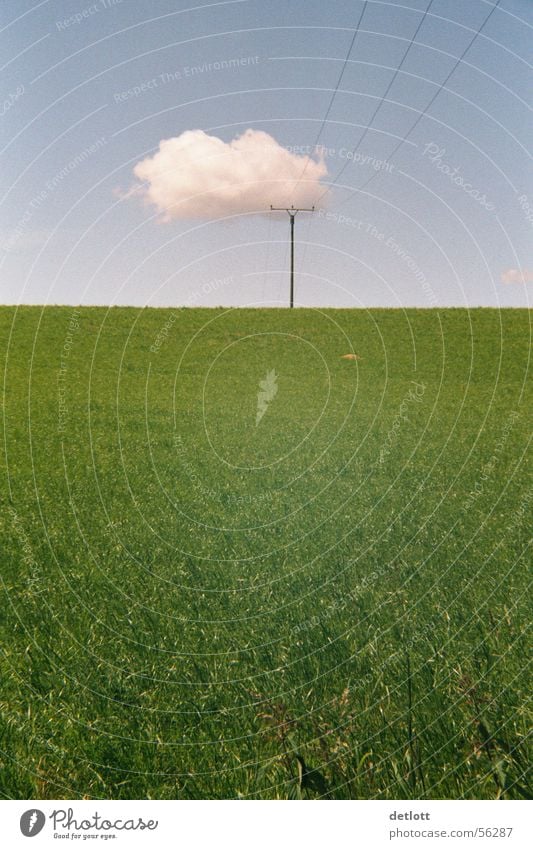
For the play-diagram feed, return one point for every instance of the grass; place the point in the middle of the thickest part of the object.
(330, 603)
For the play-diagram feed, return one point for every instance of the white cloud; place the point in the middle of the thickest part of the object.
(199, 176)
(517, 275)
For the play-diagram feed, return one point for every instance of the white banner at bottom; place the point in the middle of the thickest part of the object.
(264, 825)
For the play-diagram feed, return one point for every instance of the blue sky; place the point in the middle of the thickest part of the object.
(90, 89)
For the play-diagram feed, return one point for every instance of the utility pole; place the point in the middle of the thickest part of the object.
(292, 215)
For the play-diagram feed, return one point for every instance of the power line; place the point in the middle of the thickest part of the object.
(376, 110)
(382, 99)
(378, 107)
(424, 111)
(356, 32)
(420, 116)
(331, 101)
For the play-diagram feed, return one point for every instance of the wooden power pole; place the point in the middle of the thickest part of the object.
(292, 215)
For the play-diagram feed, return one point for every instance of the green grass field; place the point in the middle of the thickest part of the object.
(330, 602)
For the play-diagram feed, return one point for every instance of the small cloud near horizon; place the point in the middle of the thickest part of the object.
(195, 175)
(517, 275)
